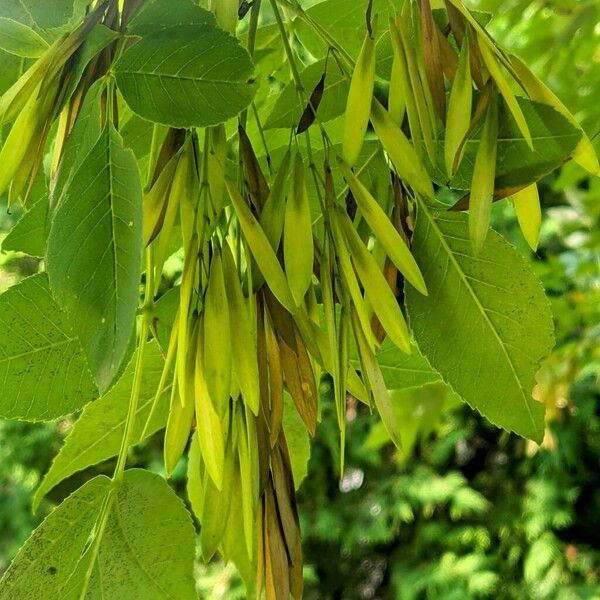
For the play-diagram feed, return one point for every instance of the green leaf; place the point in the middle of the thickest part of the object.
(186, 76)
(20, 40)
(554, 140)
(400, 370)
(486, 323)
(29, 233)
(40, 14)
(43, 370)
(11, 70)
(163, 14)
(287, 109)
(137, 135)
(344, 21)
(148, 548)
(97, 434)
(145, 551)
(44, 565)
(94, 252)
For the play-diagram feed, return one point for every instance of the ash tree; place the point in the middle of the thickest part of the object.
(231, 202)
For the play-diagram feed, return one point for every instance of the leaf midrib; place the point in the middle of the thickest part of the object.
(113, 241)
(198, 79)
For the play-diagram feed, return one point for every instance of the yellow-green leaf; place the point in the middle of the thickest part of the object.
(459, 110)
(298, 250)
(397, 99)
(400, 150)
(495, 69)
(177, 432)
(243, 343)
(529, 214)
(155, 202)
(382, 227)
(177, 190)
(403, 81)
(482, 186)
(217, 337)
(23, 130)
(273, 213)
(186, 291)
(215, 507)
(378, 291)
(374, 376)
(584, 154)
(358, 106)
(211, 436)
(350, 282)
(417, 88)
(261, 249)
(248, 473)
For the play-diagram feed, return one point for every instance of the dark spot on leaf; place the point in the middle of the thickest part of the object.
(52, 570)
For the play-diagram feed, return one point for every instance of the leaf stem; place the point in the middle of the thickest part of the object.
(301, 94)
(288, 49)
(98, 534)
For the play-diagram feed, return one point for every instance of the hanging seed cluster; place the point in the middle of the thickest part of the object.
(267, 301)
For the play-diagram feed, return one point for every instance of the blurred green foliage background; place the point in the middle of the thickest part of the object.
(468, 511)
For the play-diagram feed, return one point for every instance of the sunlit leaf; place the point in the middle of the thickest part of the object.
(486, 323)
